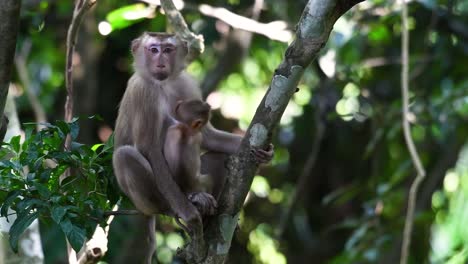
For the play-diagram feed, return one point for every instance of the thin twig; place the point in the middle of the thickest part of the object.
(81, 6)
(409, 141)
(122, 212)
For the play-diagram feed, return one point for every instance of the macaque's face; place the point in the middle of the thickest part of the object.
(194, 113)
(159, 54)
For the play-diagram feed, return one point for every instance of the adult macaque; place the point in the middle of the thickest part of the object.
(182, 153)
(152, 93)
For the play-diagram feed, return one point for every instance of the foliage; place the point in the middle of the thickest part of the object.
(33, 183)
(354, 200)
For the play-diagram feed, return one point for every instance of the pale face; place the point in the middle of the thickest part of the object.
(160, 56)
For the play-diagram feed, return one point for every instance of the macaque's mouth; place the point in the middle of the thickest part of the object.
(161, 76)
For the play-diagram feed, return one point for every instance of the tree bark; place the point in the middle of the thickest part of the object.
(9, 23)
(312, 33)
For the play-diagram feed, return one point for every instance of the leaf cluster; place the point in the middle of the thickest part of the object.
(40, 179)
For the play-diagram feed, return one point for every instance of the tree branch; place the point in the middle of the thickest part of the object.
(81, 6)
(195, 42)
(312, 33)
(276, 30)
(9, 23)
(122, 212)
(409, 141)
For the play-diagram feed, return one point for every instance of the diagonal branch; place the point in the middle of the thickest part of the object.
(276, 30)
(195, 42)
(409, 141)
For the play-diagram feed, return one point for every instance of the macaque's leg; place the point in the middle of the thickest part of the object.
(204, 202)
(135, 177)
(213, 165)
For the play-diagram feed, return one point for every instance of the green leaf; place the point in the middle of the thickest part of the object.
(76, 145)
(27, 203)
(64, 128)
(109, 144)
(96, 117)
(10, 164)
(75, 235)
(18, 227)
(127, 15)
(58, 212)
(42, 190)
(15, 143)
(8, 200)
(77, 238)
(96, 146)
(66, 226)
(74, 129)
(41, 26)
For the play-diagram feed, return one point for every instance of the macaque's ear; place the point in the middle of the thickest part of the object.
(197, 124)
(184, 47)
(135, 45)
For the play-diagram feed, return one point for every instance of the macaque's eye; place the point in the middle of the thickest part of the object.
(154, 49)
(167, 50)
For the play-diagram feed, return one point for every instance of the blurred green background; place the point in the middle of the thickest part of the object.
(336, 190)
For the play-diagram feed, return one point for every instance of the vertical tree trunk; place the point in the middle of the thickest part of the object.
(9, 22)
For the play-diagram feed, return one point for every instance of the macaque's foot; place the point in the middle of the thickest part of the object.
(205, 202)
(263, 155)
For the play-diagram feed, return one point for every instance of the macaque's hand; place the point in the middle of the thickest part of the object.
(205, 202)
(263, 155)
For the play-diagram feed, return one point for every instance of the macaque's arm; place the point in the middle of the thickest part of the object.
(219, 141)
(228, 143)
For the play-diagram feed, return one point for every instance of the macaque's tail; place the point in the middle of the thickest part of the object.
(150, 224)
